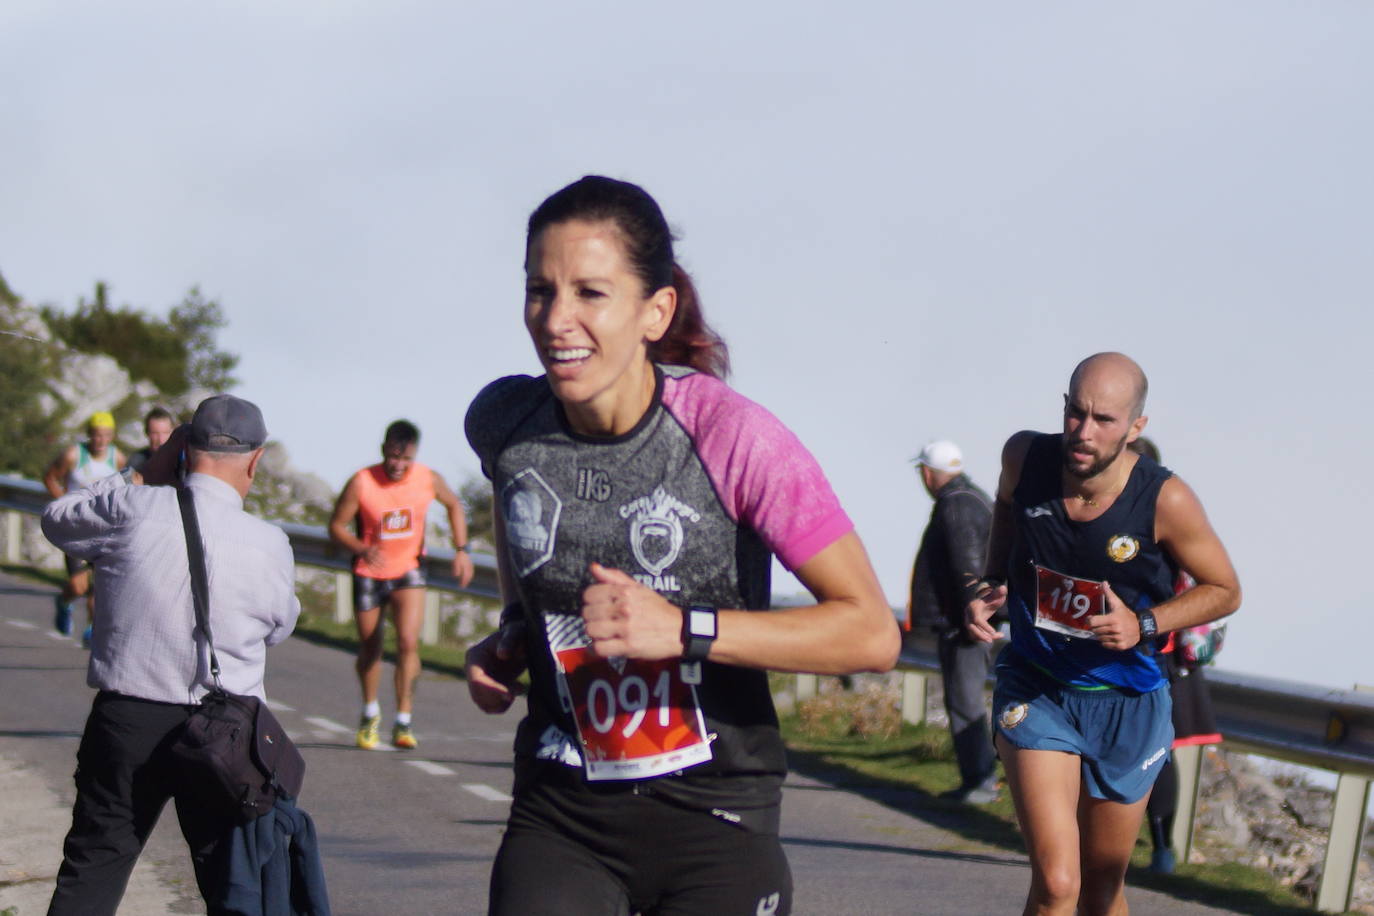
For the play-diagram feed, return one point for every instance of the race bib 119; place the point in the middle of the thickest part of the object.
(1064, 603)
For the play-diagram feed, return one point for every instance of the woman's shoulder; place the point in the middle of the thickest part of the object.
(499, 406)
(700, 402)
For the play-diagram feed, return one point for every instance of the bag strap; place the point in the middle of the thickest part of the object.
(200, 582)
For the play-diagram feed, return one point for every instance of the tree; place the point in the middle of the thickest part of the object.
(476, 496)
(30, 433)
(175, 355)
(196, 321)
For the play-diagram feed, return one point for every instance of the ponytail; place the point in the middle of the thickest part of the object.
(689, 340)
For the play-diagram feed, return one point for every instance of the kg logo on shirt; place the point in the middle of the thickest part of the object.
(656, 536)
(531, 509)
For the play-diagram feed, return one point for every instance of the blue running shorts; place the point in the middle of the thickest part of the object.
(1123, 738)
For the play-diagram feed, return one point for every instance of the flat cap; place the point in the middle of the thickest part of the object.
(224, 423)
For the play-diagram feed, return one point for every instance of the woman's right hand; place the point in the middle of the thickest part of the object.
(493, 667)
(978, 613)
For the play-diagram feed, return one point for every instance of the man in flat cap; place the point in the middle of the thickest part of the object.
(146, 660)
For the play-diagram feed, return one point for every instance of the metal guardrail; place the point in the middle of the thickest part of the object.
(1269, 717)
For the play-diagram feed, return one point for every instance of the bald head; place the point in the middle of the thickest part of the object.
(1112, 372)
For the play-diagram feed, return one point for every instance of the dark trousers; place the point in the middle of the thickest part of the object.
(124, 776)
(964, 669)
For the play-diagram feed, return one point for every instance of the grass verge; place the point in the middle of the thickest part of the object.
(45, 576)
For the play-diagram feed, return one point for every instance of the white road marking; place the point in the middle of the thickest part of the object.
(279, 707)
(22, 624)
(59, 636)
(430, 767)
(328, 725)
(486, 792)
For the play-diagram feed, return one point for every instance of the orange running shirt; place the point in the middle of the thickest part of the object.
(391, 514)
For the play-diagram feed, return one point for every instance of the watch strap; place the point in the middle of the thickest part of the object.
(698, 632)
(1149, 627)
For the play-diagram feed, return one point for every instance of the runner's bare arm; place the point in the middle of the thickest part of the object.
(458, 524)
(1182, 528)
(55, 477)
(341, 522)
(851, 628)
(978, 614)
(120, 459)
(493, 664)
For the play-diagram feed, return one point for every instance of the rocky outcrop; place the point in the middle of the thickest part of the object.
(1253, 812)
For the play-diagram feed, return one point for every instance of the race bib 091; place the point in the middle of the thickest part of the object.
(635, 719)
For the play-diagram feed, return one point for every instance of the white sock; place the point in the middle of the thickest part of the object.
(372, 709)
(402, 718)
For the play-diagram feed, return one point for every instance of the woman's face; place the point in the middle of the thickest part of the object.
(591, 324)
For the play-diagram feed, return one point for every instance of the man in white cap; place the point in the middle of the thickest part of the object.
(948, 567)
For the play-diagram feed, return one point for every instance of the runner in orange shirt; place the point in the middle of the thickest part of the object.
(380, 518)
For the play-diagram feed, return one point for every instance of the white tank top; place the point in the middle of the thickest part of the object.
(88, 470)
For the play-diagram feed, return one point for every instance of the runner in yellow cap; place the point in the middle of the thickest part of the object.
(77, 466)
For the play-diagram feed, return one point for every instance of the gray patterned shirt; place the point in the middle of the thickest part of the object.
(145, 644)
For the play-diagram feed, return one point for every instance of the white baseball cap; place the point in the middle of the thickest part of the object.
(941, 455)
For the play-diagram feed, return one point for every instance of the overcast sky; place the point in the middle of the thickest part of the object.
(909, 221)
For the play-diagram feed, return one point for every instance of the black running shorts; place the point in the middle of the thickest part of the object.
(609, 851)
(369, 593)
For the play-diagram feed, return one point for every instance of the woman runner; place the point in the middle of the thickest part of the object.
(639, 503)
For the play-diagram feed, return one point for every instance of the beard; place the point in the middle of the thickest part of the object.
(1100, 462)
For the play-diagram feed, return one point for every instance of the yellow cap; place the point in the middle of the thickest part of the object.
(101, 419)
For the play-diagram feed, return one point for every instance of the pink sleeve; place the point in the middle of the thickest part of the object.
(764, 476)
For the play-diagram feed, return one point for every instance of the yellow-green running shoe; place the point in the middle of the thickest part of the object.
(367, 732)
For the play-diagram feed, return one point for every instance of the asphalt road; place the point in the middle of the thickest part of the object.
(416, 831)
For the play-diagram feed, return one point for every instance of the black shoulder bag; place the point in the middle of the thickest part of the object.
(235, 756)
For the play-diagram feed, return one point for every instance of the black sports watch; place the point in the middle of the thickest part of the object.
(1149, 627)
(698, 632)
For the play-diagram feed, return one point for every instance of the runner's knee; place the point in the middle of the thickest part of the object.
(1056, 883)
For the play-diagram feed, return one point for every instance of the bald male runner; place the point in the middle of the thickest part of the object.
(1087, 538)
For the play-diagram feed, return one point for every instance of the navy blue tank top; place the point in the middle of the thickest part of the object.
(1118, 547)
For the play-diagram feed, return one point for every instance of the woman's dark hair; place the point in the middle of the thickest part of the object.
(689, 340)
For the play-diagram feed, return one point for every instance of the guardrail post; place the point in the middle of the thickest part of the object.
(343, 597)
(1337, 887)
(429, 628)
(1341, 867)
(808, 685)
(1188, 770)
(913, 697)
(14, 537)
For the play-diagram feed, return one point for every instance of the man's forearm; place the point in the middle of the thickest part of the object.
(458, 524)
(1200, 604)
(77, 518)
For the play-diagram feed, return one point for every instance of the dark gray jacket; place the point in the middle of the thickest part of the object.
(953, 550)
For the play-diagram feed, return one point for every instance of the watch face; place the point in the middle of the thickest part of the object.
(701, 623)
